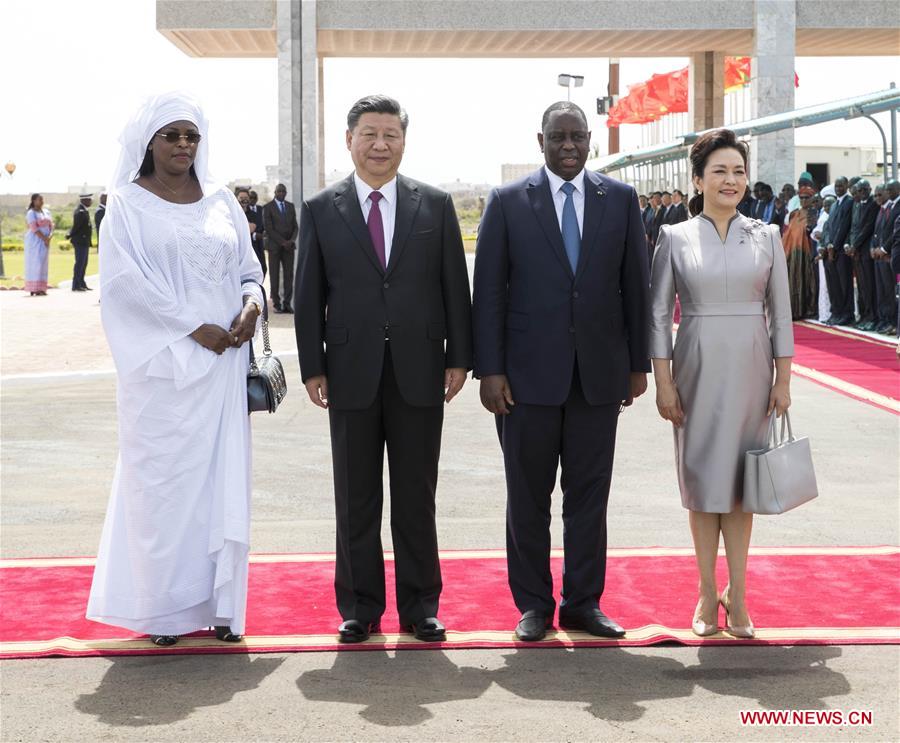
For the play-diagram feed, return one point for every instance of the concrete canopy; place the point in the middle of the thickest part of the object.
(528, 28)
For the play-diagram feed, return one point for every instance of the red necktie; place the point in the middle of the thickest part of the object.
(376, 226)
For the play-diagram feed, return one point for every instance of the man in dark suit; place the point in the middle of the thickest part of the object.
(80, 237)
(99, 215)
(838, 265)
(280, 218)
(862, 225)
(882, 253)
(384, 334)
(661, 216)
(895, 268)
(678, 213)
(560, 319)
(648, 217)
(253, 221)
(255, 214)
(764, 206)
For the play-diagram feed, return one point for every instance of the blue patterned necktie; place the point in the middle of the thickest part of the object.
(570, 234)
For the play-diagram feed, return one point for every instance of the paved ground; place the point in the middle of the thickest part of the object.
(59, 447)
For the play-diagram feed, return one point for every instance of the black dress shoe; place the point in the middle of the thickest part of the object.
(429, 629)
(277, 308)
(593, 621)
(533, 626)
(288, 309)
(353, 630)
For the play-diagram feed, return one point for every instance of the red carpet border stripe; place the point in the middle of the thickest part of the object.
(638, 637)
(291, 604)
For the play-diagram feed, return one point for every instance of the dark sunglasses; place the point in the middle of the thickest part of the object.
(173, 137)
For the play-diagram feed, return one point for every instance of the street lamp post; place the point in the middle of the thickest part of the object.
(568, 82)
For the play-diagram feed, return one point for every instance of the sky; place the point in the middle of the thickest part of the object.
(73, 73)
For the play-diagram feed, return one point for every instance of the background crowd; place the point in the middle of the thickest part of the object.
(838, 240)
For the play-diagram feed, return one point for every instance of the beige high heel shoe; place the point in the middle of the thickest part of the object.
(701, 628)
(745, 632)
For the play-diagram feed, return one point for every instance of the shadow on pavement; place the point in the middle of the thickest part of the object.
(147, 690)
(612, 684)
(795, 677)
(394, 690)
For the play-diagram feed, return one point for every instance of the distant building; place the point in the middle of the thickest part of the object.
(462, 188)
(334, 176)
(514, 171)
(828, 162)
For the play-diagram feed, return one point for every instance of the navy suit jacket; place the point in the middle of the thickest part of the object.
(839, 223)
(532, 315)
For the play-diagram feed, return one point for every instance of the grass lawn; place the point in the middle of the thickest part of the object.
(61, 264)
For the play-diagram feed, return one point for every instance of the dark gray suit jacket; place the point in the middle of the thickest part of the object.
(345, 303)
(274, 224)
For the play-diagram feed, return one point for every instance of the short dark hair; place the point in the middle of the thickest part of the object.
(679, 192)
(241, 189)
(376, 104)
(642, 196)
(656, 193)
(717, 139)
(666, 193)
(566, 106)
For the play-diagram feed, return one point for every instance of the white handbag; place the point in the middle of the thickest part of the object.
(781, 476)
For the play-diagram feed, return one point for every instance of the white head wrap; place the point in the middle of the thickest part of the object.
(153, 115)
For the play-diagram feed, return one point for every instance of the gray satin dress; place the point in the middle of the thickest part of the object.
(735, 318)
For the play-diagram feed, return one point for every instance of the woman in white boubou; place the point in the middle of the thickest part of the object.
(181, 296)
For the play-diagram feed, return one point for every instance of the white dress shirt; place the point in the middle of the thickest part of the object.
(559, 196)
(387, 205)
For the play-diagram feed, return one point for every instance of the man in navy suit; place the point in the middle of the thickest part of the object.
(839, 265)
(560, 331)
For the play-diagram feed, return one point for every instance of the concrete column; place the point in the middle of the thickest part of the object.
(772, 89)
(309, 98)
(298, 98)
(706, 90)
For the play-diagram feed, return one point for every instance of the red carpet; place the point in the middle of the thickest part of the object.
(850, 363)
(797, 596)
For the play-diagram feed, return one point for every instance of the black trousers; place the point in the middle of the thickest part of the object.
(535, 440)
(81, 261)
(281, 258)
(839, 278)
(260, 254)
(865, 285)
(413, 439)
(884, 292)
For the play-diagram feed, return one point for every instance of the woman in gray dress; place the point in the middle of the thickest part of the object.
(717, 388)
